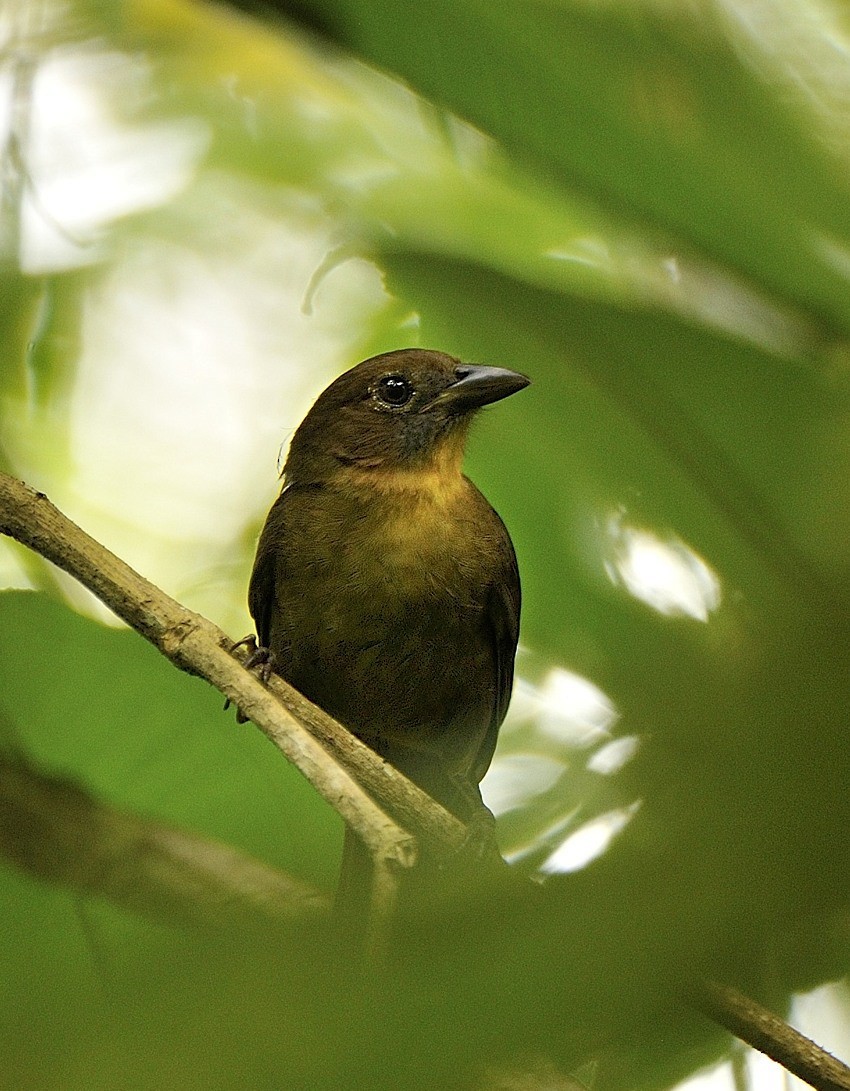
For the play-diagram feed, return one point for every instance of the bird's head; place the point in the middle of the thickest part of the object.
(402, 412)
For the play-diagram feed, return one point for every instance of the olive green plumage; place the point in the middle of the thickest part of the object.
(385, 585)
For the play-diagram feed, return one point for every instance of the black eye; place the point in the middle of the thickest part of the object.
(395, 390)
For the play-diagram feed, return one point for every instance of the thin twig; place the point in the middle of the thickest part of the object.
(766, 1032)
(383, 900)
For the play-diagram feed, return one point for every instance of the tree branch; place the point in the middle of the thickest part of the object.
(197, 646)
(770, 1035)
(56, 830)
(435, 827)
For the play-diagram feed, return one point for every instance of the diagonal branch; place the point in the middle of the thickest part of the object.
(766, 1032)
(197, 646)
(414, 809)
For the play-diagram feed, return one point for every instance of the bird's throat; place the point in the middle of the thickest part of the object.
(438, 479)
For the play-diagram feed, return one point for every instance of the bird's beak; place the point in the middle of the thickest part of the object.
(479, 385)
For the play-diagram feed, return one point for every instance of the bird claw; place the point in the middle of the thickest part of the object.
(479, 842)
(258, 657)
(264, 659)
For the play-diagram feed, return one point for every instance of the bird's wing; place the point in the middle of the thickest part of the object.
(261, 595)
(502, 619)
(267, 565)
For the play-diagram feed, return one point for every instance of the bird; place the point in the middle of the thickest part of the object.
(385, 587)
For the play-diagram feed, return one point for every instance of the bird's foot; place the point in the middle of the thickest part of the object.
(260, 661)
(479, 843)
(258, 657)
(462, 797)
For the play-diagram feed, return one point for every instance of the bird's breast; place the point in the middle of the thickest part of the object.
(422, 547)
(381, 617)
(360, 569)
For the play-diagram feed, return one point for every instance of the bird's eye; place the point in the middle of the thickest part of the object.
(395, 390)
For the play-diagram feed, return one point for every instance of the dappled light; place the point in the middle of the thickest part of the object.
(548, 783)
(567, 708)
(582, 846)
(662, 572)
(515, 779)
(611, 757)
(86, 163)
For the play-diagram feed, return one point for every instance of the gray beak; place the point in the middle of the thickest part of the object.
(478, 385)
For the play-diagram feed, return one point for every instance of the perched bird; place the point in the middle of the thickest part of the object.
(385, 587)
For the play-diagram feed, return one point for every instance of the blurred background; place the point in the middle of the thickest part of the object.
(208, 213)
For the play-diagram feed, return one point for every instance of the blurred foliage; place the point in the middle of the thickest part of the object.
(646, 207)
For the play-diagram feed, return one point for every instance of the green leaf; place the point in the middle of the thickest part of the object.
(102, 707)
(652, 108)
